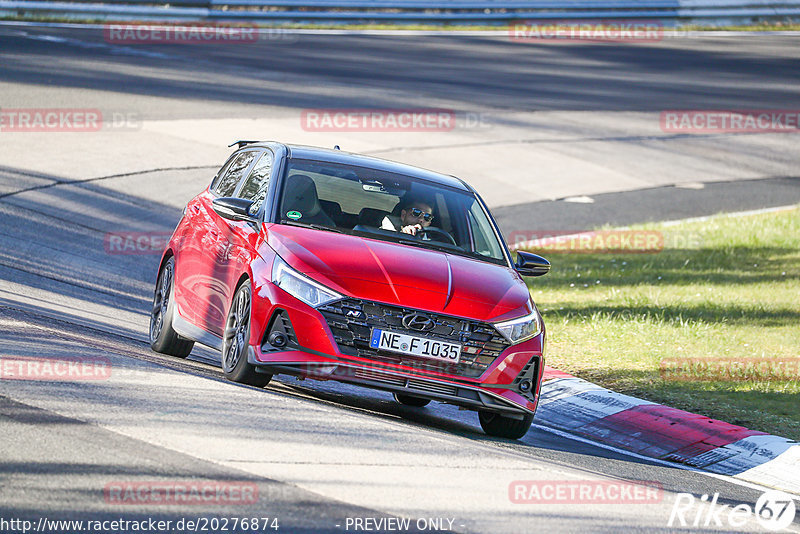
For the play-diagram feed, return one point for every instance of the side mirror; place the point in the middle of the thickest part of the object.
(531, 264)
(235, 209)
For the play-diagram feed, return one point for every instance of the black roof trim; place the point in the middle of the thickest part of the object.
(242, 143)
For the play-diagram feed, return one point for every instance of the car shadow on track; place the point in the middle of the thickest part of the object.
(438, 417)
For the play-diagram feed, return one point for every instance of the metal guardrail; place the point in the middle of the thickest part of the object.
(409, 11)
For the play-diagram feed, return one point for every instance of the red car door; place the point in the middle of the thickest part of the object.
(189, 261)
(201, 251)
(233, 250)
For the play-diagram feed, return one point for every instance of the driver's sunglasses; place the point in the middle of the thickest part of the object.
(416, 212)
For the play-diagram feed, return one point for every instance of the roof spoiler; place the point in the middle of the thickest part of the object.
(242, 143)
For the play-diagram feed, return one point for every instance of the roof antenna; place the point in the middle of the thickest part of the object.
(336, 147)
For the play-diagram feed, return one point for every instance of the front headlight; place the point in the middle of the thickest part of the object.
(522, 329)
(300, 286)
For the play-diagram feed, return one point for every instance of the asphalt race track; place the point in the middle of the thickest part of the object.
(538, 123)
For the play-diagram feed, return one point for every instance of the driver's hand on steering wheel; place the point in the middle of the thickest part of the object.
(411, 229)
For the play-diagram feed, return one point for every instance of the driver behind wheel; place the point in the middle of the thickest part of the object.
(415, 215)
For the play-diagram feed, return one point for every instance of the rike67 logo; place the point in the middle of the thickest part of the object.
(774, 511)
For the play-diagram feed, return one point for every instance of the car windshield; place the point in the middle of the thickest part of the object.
(378, 204)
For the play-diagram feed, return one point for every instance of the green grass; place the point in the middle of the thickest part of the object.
(724, 288)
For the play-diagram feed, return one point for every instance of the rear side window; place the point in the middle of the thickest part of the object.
(226, 185)
(256, 184)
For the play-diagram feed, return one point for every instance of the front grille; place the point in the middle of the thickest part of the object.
(351, 321)
(431, 387)
(371, 374)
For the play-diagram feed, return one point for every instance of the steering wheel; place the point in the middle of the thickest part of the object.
(431, 232)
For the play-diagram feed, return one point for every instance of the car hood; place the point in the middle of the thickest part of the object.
(403, 275)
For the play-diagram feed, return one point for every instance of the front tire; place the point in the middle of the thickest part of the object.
(163, 338)
(501, 426)
(235, 342)
(408, 400)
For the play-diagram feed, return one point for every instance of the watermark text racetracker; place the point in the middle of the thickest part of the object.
(729, 369)
(201, 492)
(618, 241)
(197, 33)
(75, 120)
(391, 120)
(590, 242)
(125, 243)
(54, 369)
(731, 121)
(584, 492)
(635, 31)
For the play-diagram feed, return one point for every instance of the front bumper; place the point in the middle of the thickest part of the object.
(477, 397)
(510, 385)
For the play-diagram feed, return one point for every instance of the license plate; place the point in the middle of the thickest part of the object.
(415, 346)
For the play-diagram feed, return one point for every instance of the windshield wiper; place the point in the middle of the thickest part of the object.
(311, 225)
(428, 244)
(458, 251)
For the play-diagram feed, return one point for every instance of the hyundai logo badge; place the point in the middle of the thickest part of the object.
(419, 322)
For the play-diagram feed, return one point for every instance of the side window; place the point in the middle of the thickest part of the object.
(255, 187)
(227, 184)
(482, 233)
(222, 170)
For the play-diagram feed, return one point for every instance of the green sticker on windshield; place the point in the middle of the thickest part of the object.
(294, 214)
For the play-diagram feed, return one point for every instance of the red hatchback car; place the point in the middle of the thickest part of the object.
(335, 266)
